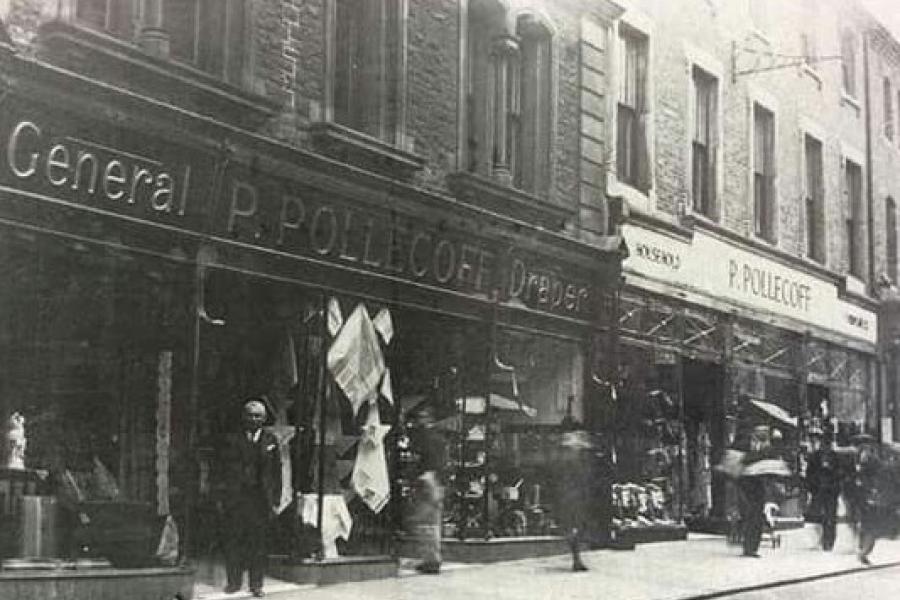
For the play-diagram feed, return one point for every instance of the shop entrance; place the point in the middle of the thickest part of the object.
(818, 401)
(704, 438)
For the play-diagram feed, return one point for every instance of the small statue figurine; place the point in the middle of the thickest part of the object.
(16, 442)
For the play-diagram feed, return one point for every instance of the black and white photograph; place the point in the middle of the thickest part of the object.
(451, 299)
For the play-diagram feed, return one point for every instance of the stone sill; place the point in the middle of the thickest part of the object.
(117, 62)
(485, 192)
(364, 151)
(812, 73)
(848, 100)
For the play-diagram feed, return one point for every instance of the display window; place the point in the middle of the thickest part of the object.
(95, 350)
(507, 457)
(651, 489)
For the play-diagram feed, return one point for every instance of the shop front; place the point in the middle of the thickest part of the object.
(717, 338)
(153, 285)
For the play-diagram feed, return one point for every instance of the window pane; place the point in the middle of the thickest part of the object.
(700, 178)
(181, 22)
(848, 64)
(111, 16)
(92, 12)
(625, 144)
(633, 68)
(764, 171)
(814, 199)
(532, 125)
(856, 259)
(891, 237)
(633, 166)
(888, 110)
(214, 36)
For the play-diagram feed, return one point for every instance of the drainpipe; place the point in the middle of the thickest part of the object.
(870, 225)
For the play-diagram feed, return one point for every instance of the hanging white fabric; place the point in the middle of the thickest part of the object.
(370, 474)
(355, 359)
(384, 325)
(334, 318)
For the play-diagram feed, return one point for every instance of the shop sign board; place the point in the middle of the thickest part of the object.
(710, 266)
(90, 165)
(290, 216)
(79, 162)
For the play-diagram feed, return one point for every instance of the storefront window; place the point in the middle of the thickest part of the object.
(327, 368)
(94, 351)
(651, 490)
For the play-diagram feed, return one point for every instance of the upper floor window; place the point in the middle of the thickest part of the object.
(759, 15)
(888, 110)
(890, 224)
(704, 142)
(531, 114)
(111, 16)
(848, 64)
(509, 97)
(808, 49)
(898, 112)
(814, 199)
(366, 68)
(854, 228)
(763, 173)
(205, 34)
(632, 113)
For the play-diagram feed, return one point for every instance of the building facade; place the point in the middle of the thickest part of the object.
(750, 173)
(349, 209)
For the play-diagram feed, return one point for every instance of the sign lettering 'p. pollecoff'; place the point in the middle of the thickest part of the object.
(263, 210)
(763, 283)
(712, 267)
(274, 212)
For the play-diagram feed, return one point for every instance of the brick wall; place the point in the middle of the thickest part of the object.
(799, 96)
(432, 84)
(288, 65)
(884, 63)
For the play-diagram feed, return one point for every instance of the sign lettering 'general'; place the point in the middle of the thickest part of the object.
(94, 170)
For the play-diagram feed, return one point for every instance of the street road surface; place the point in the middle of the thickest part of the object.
(873, 584)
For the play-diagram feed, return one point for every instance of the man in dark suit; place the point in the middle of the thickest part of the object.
(250, 484)
(823, 479)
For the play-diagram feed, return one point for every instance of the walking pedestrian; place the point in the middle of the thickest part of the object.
(250, 488)
(872, 511)
(761, 465)
(823, 480)
(575, 490)
(428, 498)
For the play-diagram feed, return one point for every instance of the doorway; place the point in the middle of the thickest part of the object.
(704, 432)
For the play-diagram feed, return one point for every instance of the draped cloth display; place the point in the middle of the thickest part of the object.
(370, 474)
(336, 520)
(355, 359)
(284, 434)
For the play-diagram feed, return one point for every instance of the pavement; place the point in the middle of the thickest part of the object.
(701, 567)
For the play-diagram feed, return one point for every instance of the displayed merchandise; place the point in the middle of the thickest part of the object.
(336, 519)
(16, 442)
(636, 505)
